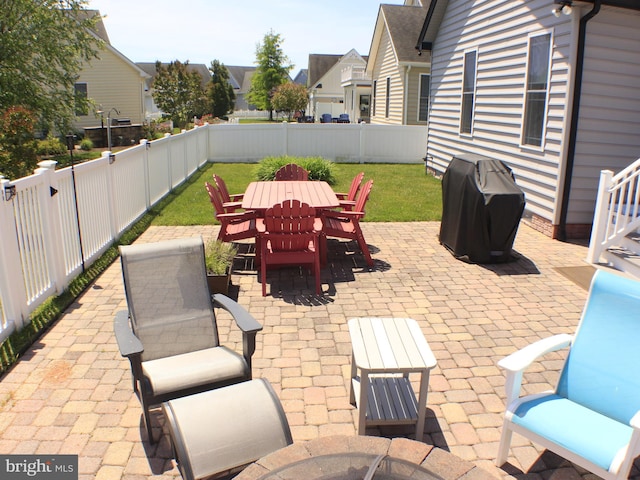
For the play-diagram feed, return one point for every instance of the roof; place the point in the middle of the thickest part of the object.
(239, 76)
(200, 68)
(404, 24)
(100, 30)
(319, 65)
(302, 77)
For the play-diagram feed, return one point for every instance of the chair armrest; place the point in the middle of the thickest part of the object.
(128, 343)
(343, 215)
(517, 362)
(238, 216)
(243, 319)
(232, 204)
(348, 204)
(236, 197)
(342, 196)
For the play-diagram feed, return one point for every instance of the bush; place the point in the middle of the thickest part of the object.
(86, 144)
(51, 146)
(319, 168)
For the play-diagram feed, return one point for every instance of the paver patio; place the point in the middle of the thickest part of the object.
(71, 392)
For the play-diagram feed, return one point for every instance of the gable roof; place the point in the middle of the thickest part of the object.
(301, 77)
(240, 77)
(319, 65)
(200, 68)
(404, 24)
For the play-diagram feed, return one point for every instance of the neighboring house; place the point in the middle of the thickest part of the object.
(548, 89)
(153, 112)
(240, 79)
(302, 77)
(400, 75)
(326, 91)
(111, 81)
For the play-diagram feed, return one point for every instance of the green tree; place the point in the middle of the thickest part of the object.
(220, 94)
(290, 97)
(43, 46)
(178, 91)
(17, 143)
(272, 70)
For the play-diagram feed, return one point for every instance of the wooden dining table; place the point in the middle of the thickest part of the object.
(263, 195)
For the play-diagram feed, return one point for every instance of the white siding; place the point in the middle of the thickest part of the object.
(499, 30)
(609, 126)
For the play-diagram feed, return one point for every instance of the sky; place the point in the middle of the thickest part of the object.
(201, 31)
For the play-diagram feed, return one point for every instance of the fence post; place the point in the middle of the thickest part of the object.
(600, 218)
(51, 223)
(362, 143)
(12, 290)
(145, 163)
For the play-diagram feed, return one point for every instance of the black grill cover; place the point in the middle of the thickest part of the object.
(481, 209)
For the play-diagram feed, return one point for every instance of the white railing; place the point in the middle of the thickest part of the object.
(354, 73)
(54, 223)
(617, 210)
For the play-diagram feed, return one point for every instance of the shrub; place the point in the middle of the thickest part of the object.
(51, 146)
(86, 144)
(319, 168)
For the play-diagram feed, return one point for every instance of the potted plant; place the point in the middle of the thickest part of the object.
(218, 260)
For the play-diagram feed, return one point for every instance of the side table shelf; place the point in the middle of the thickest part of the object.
(385, 352)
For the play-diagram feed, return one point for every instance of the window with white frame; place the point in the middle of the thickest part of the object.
(537, 89)
(423, 97)
(468, 91)
(387, 103)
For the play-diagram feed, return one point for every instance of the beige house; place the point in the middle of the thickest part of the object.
(115, 85)
(400, 75)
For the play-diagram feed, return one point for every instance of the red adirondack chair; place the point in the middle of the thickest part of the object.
(230, 202)
(348, 200)
(233, 226)
(346, 224)
(290, 237)
(291, 171)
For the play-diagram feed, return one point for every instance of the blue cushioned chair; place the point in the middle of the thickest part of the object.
(593, 416)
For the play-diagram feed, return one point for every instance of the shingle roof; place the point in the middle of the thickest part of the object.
(319, 64)
(238, 76)
(404, 24)
(200, 68)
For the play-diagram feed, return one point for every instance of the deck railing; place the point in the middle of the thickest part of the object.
(617, 210)
(54, 223)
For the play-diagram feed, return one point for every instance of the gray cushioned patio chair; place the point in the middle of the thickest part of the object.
(222, 431)
(169, 333)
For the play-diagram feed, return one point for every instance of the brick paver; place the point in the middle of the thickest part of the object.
(71, 393)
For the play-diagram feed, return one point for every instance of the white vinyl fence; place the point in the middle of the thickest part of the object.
(54, 223)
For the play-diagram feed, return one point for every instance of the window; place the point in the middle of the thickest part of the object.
(537, 90)
(388, 98)
(81, 96)
(373, 100)
(423, 97)
(468, 91)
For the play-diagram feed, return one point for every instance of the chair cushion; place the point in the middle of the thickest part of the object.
(578, 429)
(180, 372)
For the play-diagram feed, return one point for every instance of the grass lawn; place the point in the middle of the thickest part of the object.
(401, 193)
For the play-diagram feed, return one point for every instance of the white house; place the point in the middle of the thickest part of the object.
(549, 87)
(325, 83)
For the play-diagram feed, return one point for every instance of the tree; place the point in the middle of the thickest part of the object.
(43, 46)
(290, 97)
(220, 94)
(17, 144)
(178, 91)
(272, 71)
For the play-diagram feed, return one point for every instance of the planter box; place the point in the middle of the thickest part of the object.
(219, 283)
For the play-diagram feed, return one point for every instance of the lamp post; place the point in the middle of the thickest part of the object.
(114, 109)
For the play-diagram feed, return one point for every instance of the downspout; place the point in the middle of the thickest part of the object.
(575, 114)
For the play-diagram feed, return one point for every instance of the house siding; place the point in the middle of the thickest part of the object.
(386, 67)
(609, 122)
(413, 95)
(500, 31)
(112, 82)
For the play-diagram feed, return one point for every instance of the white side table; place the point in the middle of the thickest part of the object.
(386, 351)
